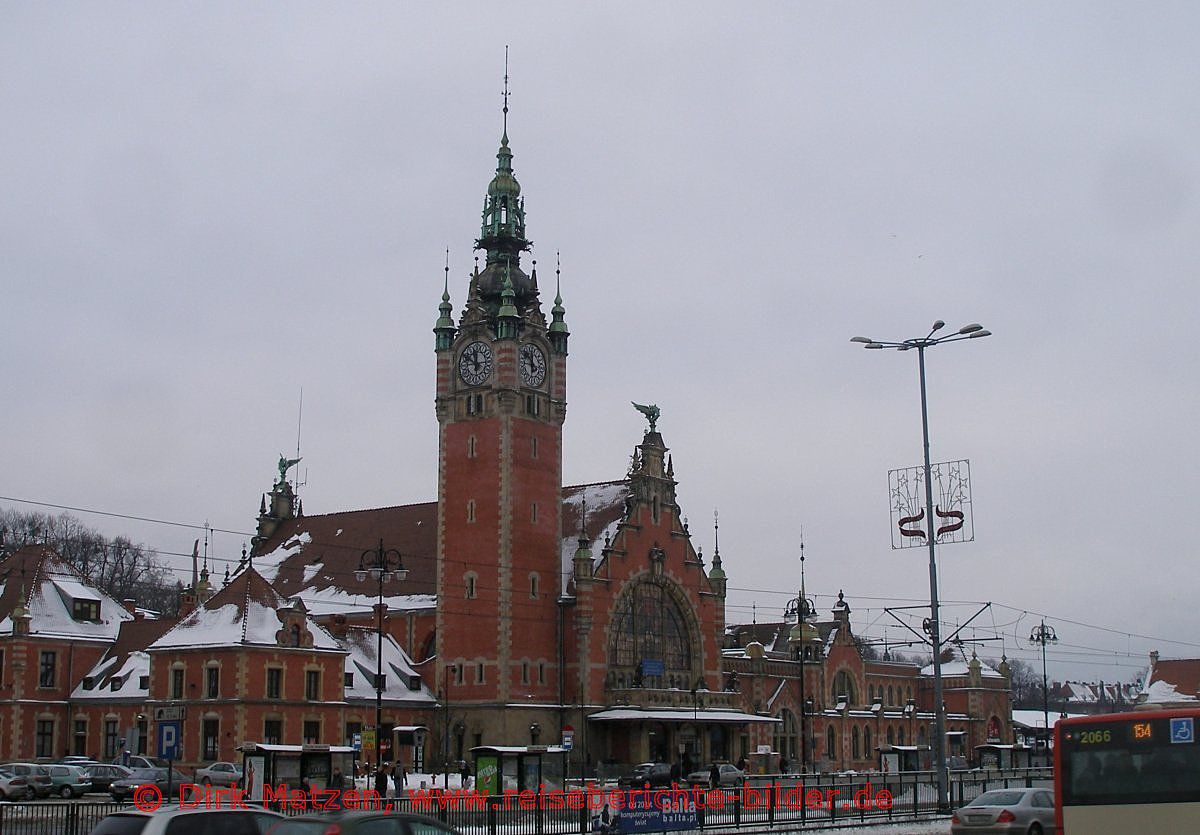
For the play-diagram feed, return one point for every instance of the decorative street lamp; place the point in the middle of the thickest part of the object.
(1043, 635)
(386, 564)
(972, 331)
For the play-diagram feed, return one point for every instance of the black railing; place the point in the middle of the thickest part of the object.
(763, 804)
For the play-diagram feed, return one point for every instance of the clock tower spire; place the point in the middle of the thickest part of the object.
(501, 403)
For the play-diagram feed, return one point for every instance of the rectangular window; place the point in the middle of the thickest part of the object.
(85, 609)
(212, 682)
(47, 671)
(143, 682)
(349, 682)
(458, 673)
(80, 748)
(45, 738)
(274, 682)
(524, 672)
(110, 738)
(541, 672)
(177, 683)
(479, 673)
(141, 736)
(312, 732)
(210, 738)
(272, 731)
(533, 447)
(352, 728)
(312, 685)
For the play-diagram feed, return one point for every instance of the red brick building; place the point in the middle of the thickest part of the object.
(528, 606)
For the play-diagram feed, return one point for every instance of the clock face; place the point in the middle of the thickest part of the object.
(475, 363)
(533, 365)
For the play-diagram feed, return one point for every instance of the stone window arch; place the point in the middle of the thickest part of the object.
(470, 585)
(843, 687)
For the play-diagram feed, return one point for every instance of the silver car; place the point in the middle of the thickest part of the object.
(219, 774)
(188, 822)
(13, 787)
(1024, 811)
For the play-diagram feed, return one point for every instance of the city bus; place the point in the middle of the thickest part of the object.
(1128, 772)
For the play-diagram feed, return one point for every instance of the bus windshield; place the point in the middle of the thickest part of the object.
(1127, 761)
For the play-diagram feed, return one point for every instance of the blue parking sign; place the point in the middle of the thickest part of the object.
(1183, 729)
(169, 739)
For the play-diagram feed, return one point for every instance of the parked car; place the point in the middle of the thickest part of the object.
(69, 780)
(124, 788)
(731, 776)
(75, 759)
(103, 775)
(13, 787)
(188, 822)
(35, 775)
(219, 774)
(656, 774)
(1006, 810)
(358, 823)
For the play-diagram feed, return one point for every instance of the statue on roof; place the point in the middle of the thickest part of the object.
(651, 412)
(286, 464)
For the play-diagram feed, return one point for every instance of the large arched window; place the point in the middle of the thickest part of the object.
(650, 626)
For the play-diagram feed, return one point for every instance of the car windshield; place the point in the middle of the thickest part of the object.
(121, 825)
(998, 798)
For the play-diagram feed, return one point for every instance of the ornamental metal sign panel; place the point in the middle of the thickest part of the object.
(952, 517)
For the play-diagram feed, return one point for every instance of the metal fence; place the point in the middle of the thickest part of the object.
(762, 805)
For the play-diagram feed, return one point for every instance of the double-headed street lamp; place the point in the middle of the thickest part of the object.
(973, 331)
(1043, 635)
(385, 565)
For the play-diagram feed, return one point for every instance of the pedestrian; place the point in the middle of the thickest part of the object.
(381, 781)
(400, 778)
(336, 780)
(606, 823)
(464, 774)
(714, 777)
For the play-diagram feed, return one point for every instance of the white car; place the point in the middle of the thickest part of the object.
(188, 822)
(219, 774)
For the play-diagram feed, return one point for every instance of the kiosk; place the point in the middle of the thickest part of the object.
(501, 768)
(306, 767)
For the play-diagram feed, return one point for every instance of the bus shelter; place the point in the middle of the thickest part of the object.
(306, 767)
(998, 756)
(501, 768)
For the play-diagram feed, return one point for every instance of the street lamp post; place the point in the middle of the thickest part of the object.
(384, 565)
(972, 331)
(1043, 635)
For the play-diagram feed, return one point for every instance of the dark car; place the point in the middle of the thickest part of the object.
(103, 775)
(656, 774)
(362, 823)
(124, 788)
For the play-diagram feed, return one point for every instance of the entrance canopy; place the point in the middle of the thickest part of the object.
(633, 714)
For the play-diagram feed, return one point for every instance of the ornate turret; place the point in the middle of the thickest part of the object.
(558, 325)
(716, 574)
(581, 563)
(444, 328)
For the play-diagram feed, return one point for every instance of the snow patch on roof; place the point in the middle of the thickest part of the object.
(1164, 692)
(361, 661)
(268, 564)
(594, 497)
(959, 668)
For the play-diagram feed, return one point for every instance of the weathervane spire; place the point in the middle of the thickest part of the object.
(504, 139)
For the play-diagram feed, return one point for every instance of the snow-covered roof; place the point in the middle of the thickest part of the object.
(398, 672)
(1037, 718)
(952, 669)
(51, 584)
(604, 504)
(245, 612)
(1163, 692)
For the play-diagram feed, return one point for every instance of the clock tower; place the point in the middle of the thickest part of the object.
(501, 402)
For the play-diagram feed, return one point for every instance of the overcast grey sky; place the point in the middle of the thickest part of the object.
(207, 207)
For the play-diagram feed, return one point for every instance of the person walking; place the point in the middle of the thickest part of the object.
(464, 774)
(714, 777)
(381, 781)
(400, 777)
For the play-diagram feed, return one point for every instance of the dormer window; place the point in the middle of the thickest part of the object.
(83, 609)
(88, 683)
(115, 684)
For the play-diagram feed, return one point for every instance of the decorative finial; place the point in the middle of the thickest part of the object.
(583, 517)
(716, 534)
(286, 464)
(504, 140)
(754, 613)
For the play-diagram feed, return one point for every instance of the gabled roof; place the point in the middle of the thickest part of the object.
(125, 663)
(243, 613)
(49, 584)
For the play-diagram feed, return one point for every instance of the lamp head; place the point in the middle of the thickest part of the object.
(971, 328)
(937, 326)
(863, 339)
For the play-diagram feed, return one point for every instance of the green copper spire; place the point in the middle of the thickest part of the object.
(558, 325)
(507, 316)
(503, 230)
(444, 329)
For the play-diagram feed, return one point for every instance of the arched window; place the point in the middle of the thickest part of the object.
(831, 743)
(295, 635)
(889, 698)
(891, 737)
(908, 694)
(854, 744)
(787, 735)
(649, 625)
(902, 735)
(843, 688)
(867, 740)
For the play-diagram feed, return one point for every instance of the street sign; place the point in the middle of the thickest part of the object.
(170, 737)
(1183, 730)
(168, 714)
(568, 739)
(357, 743)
